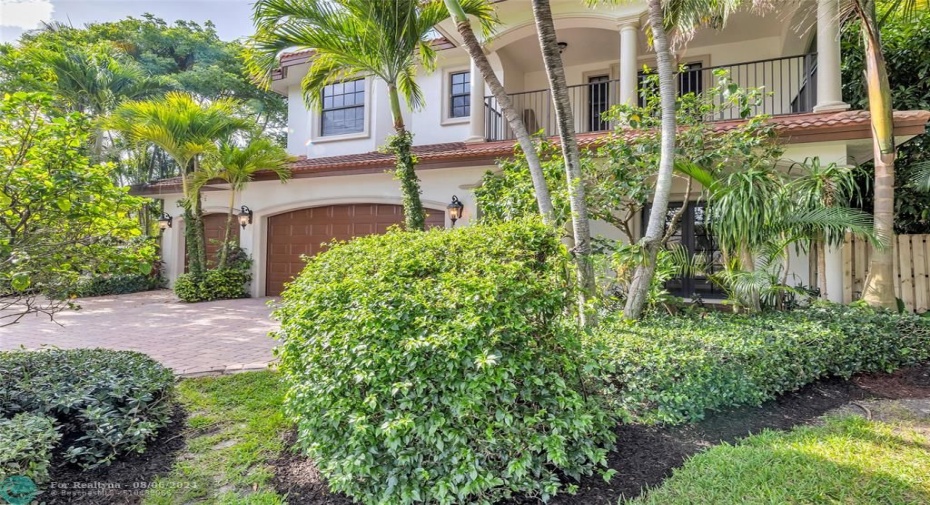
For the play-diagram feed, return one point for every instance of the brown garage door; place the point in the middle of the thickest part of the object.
(302, 232)
(214, 228)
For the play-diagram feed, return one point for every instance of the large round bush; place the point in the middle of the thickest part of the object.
(441, 366)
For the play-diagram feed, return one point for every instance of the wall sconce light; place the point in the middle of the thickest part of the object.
(245, 216)
(455, 209)
(562, 47)
(164, 222)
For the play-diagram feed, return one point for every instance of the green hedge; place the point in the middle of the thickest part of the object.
(104, 403)
(105, 285)
(26, 443)
(441, 366)
(674, 369)
(217, 284)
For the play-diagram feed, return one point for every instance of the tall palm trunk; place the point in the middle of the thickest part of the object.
(543, 198)
(224, 249)
(879, 285)
(401, 145)
(821, 250)
(563, 113)
(196, 251)
(642, 278)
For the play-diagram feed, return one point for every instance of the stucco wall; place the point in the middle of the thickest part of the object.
(267, 198)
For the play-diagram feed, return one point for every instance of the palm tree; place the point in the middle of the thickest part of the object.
(879, 284)
(93, 82)
(755, 214)
(388, 39)
(823, 186)
(185, 129)
(514, 119)
(237, 166)
(552, 59)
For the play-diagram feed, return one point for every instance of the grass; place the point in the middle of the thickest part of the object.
(845, 461)
(235, 427)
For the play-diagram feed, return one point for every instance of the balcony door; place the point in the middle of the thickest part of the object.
(598, 102)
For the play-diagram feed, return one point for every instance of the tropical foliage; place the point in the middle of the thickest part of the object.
(61, 217)
(186, 130)
(441, 366)
(906, 47)
(676, 369)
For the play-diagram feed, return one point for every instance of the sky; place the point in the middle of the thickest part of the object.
(231, 17)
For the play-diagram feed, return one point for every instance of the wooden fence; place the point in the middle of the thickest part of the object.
(911, 270)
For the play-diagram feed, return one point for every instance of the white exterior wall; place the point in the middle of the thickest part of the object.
(268, 198)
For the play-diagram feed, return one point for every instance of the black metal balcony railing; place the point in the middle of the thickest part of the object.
(789, 83)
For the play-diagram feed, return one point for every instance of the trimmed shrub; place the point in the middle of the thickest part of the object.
(217, 284)
(106, 285)
(674, 369)
(26, 443)
(104, 403)
(441, 366)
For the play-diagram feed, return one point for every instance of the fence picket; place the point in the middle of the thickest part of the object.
(907, 271)
(919, 259)
(911, 270)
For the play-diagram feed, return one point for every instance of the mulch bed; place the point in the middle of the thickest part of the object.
(122, 483)
(645, 456)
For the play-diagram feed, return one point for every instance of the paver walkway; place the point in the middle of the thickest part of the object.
(192, 339)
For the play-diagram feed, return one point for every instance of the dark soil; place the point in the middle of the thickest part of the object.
(645, 456)
(122, 483)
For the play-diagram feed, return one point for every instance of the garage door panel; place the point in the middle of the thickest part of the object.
(309, 231)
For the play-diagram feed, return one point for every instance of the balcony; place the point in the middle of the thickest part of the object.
(789, 83)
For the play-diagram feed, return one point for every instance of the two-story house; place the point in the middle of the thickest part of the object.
(342, 187)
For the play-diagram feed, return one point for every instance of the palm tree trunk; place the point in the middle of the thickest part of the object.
(548, 43)
(821, 265)
(224, 250)
(543, 198)
(642, 278)
(401, 145)
(198, 256)
(879, 285)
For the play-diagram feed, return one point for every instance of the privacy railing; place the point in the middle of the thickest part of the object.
(789, 84)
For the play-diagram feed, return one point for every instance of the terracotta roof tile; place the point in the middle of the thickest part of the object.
(797, 128)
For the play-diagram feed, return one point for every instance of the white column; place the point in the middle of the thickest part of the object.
(629, 37)
(829, 76)
(476, 105)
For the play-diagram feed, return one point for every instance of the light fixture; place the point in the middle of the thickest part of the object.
(455, 209)
(562, 47)
(164, 222)
(245, 216)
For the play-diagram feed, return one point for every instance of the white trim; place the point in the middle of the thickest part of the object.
(447, 119)
(316, 119)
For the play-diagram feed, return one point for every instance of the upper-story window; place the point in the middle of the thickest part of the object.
(459, 94)
(343, 108)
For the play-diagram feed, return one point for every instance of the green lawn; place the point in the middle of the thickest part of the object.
(847, 461)
(235, 426)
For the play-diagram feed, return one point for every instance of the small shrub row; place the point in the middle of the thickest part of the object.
(104, 403)
(105, 285)
(441, 366)
(26, 443)
(674, 369)
(217, 284)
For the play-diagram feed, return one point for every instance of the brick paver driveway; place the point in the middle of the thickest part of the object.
(222, 336)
